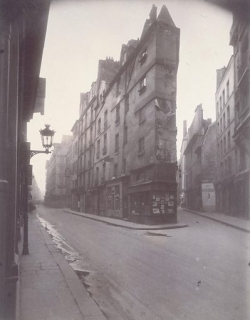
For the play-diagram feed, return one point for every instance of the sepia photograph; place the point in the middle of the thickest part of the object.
(124, 159)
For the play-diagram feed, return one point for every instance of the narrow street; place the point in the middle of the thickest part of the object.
(194, 273)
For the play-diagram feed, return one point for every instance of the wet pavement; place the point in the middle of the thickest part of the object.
(169, 274)
(49, 287)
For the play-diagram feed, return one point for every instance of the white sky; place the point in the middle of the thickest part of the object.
(81, 32)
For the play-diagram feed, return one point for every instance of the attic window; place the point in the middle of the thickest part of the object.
(143, 84)
(143, 56)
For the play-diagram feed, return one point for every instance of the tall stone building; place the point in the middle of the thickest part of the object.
(240, 39)
(127, 138)
(225, 119)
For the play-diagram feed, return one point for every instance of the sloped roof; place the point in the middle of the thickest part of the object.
(165, 16)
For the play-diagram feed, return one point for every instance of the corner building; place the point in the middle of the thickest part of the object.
(240, 39)
(134, 152)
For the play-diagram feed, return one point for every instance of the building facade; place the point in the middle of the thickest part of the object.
(127, 138)
(23, 29)
(225, 119)
(199, 169)
(240, 40)
(55, 174)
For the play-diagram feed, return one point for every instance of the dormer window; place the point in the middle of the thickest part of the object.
(143, 56)
(143, 84)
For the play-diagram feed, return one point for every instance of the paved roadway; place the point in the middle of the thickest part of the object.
(201, 272)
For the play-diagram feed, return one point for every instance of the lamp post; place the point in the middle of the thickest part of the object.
(47, 141)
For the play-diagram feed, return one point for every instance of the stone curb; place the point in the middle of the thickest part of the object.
(116, 224)
(85, 303)
(218, 220)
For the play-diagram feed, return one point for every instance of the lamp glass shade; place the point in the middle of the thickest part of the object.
(47, 137)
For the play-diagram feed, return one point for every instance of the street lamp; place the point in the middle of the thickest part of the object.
(47, 141)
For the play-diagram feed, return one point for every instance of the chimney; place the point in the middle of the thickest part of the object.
(184, 128)
(220, 74)
(153, 14)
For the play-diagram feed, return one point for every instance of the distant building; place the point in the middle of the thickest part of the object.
(225, 119)
(127, 129)
(55, 174)
(182, 167)
(240, 39)
(35, 192)
(74, 166)
(199, 169)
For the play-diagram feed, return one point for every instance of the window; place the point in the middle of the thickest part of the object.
(99, 126)
(103, 171)
(126, 103)
(220, 124)
(226, 168)
(97, 176)
(228, 90)
(224, 120)
(118, 88)
(104, 150)
(228, 115)
(229, 140)
(117, 143)
(141, 147)
(218, 127)
(223, 98)
(220, 104)
(117, 114)
(229, 165)
(217, 109)
(143, 84)
(105, 119)
(124, 166)
(115, 169)
(141, 114)
(90, 156)
(143, 56)
(224, 145)
(125, 135)
(98, 149)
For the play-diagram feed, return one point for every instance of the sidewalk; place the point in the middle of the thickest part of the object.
(49, 287)
(127, 224)
(240, 224)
